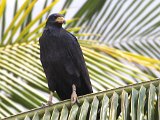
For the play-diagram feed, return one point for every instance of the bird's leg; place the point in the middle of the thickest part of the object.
(73, 95)
(49, 102)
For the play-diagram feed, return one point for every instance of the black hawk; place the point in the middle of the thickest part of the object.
(63, 61)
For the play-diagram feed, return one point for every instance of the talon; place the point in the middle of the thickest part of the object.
(74, 95)
(73, 101)
(43, 105)
(49, 103)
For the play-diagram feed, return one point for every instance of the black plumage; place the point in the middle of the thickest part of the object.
(62, 60)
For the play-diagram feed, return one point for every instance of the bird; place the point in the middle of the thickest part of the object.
(63, 62)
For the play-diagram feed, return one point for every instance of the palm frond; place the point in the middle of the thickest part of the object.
(126, 25)
(123, 19)
(2, 7)
(23, 81)
(13, 27)
(21, 69)
(130, 102)
(119, 54)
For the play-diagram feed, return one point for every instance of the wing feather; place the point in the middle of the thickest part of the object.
(73, 48)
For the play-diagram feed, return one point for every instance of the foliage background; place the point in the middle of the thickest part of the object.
(120, 41)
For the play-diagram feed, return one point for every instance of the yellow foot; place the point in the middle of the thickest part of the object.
(74, 98)
(47, 104)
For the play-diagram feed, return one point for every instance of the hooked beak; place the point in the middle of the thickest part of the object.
(60, 20)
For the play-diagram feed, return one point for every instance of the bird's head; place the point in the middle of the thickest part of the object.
(56, 19)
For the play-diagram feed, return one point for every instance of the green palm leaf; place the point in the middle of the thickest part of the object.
(127, 25)
(24, 85)
(2, 7)
(92, 106)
